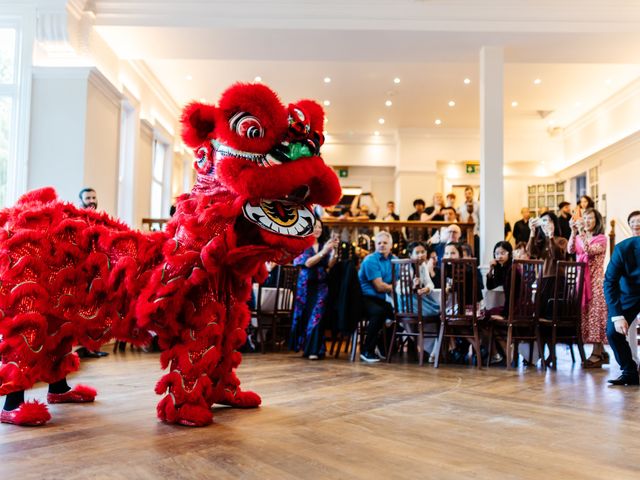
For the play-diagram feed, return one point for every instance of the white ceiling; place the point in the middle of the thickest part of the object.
(583, 51)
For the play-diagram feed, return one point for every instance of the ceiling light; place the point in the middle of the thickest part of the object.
(376, 133)
(326, 103)
(258, 79)
(326, 120)
(203, 100)
(609, 81)
(188, 77)
(381, 121)
(467, 81)
(514, 104)
(537, 81)
(396, 80)
(327, 79)
(578, 104)
(452, 103)
(438, 121)
(388, 103)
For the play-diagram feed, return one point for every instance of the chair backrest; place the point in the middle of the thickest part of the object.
(279, 300)
(459, 295)
(403, 271)
(526, 276)
(567, 295)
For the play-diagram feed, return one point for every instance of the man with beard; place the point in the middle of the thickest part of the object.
(89, 199)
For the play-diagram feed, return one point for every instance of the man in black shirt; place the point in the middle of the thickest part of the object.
(564, 215)
(521, 231)
(419, 205)
(391, 214)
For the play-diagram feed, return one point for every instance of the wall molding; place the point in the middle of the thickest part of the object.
(109, 90)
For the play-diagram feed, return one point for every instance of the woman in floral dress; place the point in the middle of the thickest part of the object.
(311, 296)
(589, 244)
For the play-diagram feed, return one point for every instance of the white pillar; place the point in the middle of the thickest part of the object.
(491, 150)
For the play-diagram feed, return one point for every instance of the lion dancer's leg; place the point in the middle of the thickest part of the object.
(191, 358)
(226, 384)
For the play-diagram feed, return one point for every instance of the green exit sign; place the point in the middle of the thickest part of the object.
(472, 168)
(343, 172)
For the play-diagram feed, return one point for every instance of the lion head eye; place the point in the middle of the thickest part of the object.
(246, 125)
(201, 156)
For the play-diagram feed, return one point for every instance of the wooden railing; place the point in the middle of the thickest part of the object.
(612, 237)
(410, 230)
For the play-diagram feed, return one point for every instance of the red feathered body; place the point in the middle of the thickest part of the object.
(71, 275)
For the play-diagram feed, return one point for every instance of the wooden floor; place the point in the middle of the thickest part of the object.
(334, 419)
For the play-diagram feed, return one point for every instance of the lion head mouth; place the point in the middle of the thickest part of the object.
(281, 217)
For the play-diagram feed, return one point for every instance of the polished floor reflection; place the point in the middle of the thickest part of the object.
(335, 419)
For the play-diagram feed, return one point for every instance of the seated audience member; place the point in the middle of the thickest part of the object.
(433, 213)
(499, 274)
(521, 230)
(544, 244)
(449, 215)
(423, 285)
(307, 332)
(375, 282)
(455, 251)
(520, 251)
(451, 235)
(467, 252)
(469, 212)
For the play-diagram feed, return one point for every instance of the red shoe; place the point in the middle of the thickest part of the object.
(241, 399)
(78, 394)
(31, 413)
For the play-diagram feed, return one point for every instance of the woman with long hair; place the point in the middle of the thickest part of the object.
(311, 295)
(589, 244)
(546, 244)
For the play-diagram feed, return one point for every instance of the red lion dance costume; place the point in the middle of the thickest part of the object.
(71, 275)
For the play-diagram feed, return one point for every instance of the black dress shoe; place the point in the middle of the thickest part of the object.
(625, 380)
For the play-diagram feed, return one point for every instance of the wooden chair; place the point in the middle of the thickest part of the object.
(279, 316)
(459, 306)
(405, 303)
(566, 321)
(522, 322)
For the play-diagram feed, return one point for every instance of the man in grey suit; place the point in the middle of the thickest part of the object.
(622, 292)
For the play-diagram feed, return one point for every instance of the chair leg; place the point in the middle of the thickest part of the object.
(420, 343)
(261, 335)
(573, 355)
(439, 349)
(354, 343)
(490, 346)
(552, 347)
(531, 352)
(509, 342)
(476, 345)
(393, 340)
(583, 355)
(540, 348)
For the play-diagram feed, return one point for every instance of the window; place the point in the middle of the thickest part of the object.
(8, 96)
(127, 159)
(157, 178)
(593, 186)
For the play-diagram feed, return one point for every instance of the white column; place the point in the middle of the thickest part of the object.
(491, 150)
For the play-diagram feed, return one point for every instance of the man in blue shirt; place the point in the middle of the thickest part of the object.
(375, 281)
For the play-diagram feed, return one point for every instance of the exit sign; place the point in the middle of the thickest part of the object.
(343, 172)
(472, 168)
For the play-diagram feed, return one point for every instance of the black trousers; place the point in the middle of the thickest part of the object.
(621, 350)
(376, 311)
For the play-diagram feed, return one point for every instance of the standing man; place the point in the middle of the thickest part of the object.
(433, 213)
(622, 293)
(419, 205)
(375, 281)
(469, 211)
(564, 215)
(521, 230)
(89, 199)
(391, 215)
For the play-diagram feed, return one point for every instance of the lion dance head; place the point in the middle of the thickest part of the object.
(267, 156)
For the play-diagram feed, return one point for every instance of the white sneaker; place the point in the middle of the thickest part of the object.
(313, 357)
(365, 358)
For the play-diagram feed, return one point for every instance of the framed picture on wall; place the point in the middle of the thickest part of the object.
(560, 187)
(541, 201)
(551, 201)
(559, 198)
(532, 189)
(540, 188)
(551, 188)
(532, 202)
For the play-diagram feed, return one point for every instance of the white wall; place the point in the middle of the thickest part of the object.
(57, 131)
